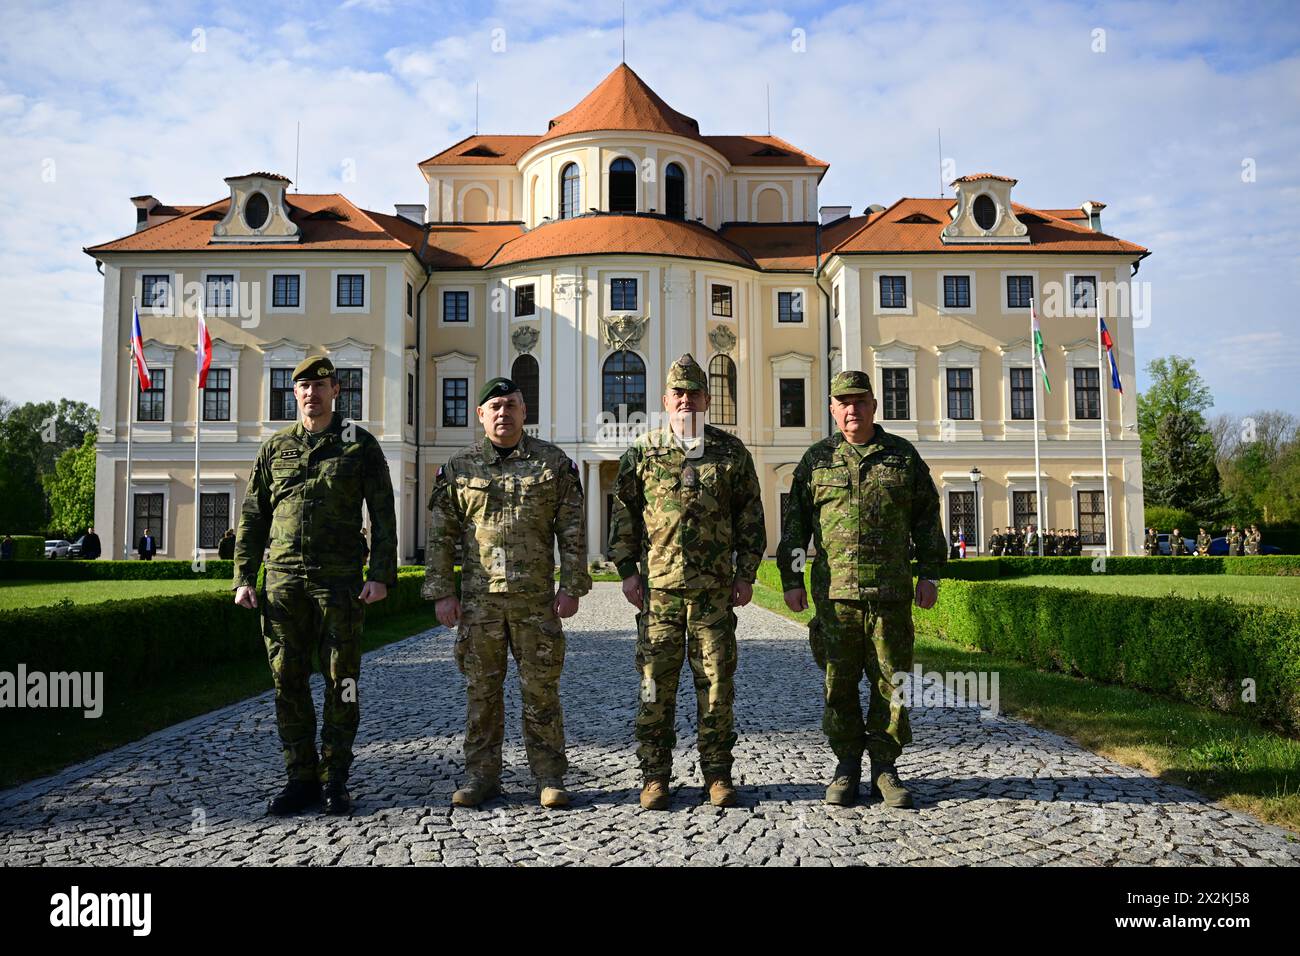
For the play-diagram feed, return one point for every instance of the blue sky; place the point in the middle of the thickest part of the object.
(101, 101)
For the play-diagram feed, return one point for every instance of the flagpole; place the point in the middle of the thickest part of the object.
(198, 418)
(1104, 394)
(1038, 480)
(131, 377)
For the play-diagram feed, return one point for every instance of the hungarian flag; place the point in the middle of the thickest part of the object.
(1038, 348)
(1109, 345)
(203, 353)
(137, 347)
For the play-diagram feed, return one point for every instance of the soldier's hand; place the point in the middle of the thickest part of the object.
(373, 591)
(926, 594)
(796, 599)
(633, 592)
(448, 611)
(742, 592)
(246, 596)
(566, 605)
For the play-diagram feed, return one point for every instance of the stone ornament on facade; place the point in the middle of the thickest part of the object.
(723, 339)
(524, 338)
(623, 331)
(566, 289)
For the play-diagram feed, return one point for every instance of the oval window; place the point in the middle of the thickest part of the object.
(986, 214)
(256, 209)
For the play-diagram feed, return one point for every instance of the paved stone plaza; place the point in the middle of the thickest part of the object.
(988, 791)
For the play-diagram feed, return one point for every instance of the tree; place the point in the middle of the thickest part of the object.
(71, 489)
(1178, 448)
(33, 437)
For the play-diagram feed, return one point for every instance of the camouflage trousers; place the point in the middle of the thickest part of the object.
(304, 619)
(700, 626)
(853, 638)
(529, 629)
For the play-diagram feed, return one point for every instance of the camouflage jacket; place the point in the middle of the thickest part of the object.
(687, 517)
(305, 502)
(507, 515)
(861, 513)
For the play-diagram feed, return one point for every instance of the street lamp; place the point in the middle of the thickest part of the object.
(975, 477)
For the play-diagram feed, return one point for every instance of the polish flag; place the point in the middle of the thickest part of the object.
(203, 352)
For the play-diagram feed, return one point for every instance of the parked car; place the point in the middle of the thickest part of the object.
(1190, 544)
(57, 549)
(1219, 547)
(77, 548)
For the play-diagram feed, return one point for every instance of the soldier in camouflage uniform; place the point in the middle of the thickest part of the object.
(687, 537)
(507, 501)
(862, 495)
(1031, 540)
(1253, 540)
(1177, 546)
(304, 496)
(1203, 542)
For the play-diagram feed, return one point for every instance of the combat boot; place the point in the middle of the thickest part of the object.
(475, 792)
(886, 785)
(654, 795)
(843, 791)
(552, 794)
(296, 796)
(338, 802)
(721, 791)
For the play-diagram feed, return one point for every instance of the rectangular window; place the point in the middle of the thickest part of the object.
(410, 399)
(150, 401)
(410, 299)
(956, 292)
(1022, 394)
(893, 292)
(1087, 394)
(622, 294)
(961, 394)
(961, 516)
(349, 403)
(1024, 509)
(1020, 289)
(1084, 292)
(284, 291)
(455, 402)
(789, 306)
(792, 412)
(351, 291)
(216, 396)
(897, 397)
(147, 513)
(455, 306)
(1092, 517)
(156, 291)
(283, 406)
(525, 300)
(722, 300)
(219, 294)
(214, 519)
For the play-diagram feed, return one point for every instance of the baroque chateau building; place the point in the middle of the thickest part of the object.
(581, 262)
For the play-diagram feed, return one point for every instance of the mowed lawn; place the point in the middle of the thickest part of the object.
(15, 594)
(1277, 591)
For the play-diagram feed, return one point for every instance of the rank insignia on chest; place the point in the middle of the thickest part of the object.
(688, 477)
(291, 453)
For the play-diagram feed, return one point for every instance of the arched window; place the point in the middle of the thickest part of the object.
(622, 185)
(722, 390)
(675, 191)
(570, 191)
(525, 374)
(623, 382)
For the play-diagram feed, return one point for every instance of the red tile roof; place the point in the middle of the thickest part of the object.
(605, 233)
(763, 151)
(787, 247)
(622, 101)
(507, 150)
(974, 176)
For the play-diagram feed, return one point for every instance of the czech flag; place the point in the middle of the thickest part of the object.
(1109, 344)
(137, 347)
(203, 353)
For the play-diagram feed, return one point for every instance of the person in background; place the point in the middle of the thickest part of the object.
(148, 546)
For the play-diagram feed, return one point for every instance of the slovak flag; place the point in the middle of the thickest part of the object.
(1109, 344)
(137, 347)
(203, 353)
(961, 543)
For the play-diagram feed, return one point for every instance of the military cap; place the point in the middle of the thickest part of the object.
(687, 374)
(851, 383)
(318, 366)
(496, 386)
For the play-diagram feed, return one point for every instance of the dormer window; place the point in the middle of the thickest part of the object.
(256, 211)
(985, 211)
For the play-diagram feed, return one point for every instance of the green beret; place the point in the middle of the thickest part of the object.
(318, 366)
(495, 387)
(851, 383)
(687, 374)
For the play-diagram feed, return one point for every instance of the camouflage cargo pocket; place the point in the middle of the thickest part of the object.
(817, 641)
(462, 644)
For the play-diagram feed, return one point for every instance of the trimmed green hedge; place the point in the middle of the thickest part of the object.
(27, 547)
(102, 570)
(144, 641)
(1194, 649)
